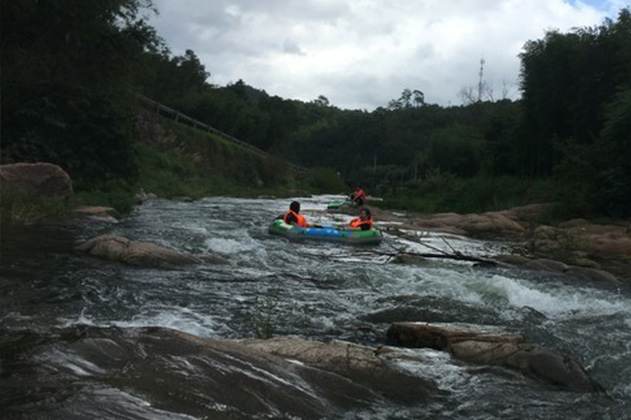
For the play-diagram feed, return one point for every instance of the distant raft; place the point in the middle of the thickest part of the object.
(326, 233)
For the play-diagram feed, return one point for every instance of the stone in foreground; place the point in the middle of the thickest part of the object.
(144, 254)
(491, 346)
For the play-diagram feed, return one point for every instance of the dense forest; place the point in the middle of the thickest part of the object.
(71, 70)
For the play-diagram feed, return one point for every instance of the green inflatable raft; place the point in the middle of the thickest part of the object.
(326, 233)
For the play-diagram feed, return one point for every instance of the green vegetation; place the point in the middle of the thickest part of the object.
(443, 192)
(324, 180)
(24, 209)
(71, 102)
(116, 194)
(183, 161)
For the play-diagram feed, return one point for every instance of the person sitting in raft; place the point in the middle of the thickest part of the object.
(363, 222)
(358, 197)
(293, 216)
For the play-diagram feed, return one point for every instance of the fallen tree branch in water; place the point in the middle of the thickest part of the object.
(456, 255)
(398, 251)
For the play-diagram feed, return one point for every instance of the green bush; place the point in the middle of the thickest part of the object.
(325, 180)
(440, 192)
(23, 208)
(116, 194)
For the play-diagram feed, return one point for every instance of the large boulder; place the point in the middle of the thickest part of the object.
(479, 225)
(35, 180)
(492, 346)
(286, 377)
(145, 254)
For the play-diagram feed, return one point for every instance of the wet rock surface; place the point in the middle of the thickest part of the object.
(288, 377)
(144, 254)
(492, 346)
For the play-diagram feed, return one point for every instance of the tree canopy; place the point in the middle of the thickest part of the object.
(72, 68)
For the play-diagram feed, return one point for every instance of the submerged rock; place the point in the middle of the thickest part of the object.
(545, 264)
(492, 346)
(409, 259)
(145, 254)
(287, 377)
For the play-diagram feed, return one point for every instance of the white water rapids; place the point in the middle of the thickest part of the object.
(319, 290)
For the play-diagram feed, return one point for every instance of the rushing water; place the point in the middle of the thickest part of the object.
(48, 293)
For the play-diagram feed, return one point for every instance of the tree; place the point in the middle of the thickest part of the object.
(71, 68)
(408, 99)
(321, 101)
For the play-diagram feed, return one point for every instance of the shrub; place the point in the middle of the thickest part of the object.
(325, 180)
(22, 208)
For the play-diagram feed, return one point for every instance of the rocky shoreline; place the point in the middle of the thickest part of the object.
(578, 247)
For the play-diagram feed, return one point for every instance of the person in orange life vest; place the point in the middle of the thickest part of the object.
(363, 222)
(293, 216)
(358, 197)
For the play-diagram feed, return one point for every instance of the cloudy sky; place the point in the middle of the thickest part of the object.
(361, 54)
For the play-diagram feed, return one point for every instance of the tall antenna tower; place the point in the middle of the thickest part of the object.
(481, 80)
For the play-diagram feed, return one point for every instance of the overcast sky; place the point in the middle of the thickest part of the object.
(361, 54)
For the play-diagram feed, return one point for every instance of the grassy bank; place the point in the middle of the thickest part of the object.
(446, 193)
(175, 160)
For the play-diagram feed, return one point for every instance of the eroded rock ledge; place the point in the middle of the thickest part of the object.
(492, 346)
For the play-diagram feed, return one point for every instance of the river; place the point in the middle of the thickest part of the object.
(48, 292)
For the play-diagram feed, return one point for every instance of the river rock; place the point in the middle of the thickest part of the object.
(409, 259)
(527, 212)
(286, 377)
(572, 223)
(141, 196)
(145, 254)
(492, 224)
(492, 346)
(593, 274)
(356, 363)
(512, 259)
(36, 180)
(553, 265)
(97, 211)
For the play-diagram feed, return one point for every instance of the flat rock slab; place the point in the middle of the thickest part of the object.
(287, 377)
(491, 346)
(144, 254)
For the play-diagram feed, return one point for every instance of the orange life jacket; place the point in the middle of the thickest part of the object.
(359, 222)
(359, 193)
(302, 222)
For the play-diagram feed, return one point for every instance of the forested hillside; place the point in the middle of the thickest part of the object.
(71, 69)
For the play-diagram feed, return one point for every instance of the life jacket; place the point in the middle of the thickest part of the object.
(359, 222)
(359, 193)
(302, 222)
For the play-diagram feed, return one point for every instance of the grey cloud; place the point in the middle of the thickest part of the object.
(374, 49)
(290, 47)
